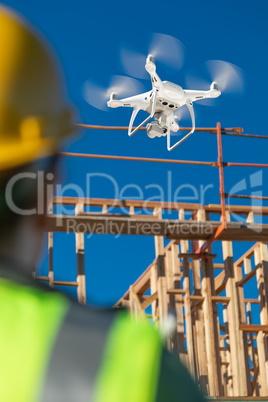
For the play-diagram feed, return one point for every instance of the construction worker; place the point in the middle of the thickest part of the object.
(51, 348)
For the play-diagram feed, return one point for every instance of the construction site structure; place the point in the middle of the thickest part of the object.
(222, 331)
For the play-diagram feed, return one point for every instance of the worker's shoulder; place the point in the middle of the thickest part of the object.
(83, 318)
(77, 317)
(175, 378)
(78, 325)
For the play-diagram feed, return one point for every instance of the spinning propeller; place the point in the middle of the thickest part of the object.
(166, 50)
(229, 77)
(97, 95)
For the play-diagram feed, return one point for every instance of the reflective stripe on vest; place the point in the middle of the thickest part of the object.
(30, 320)
(131, 363)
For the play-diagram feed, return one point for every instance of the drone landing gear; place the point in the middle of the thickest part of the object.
(191, 110)
(134, 114)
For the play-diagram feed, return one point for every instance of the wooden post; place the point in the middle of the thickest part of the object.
(174, 346)
(177, 279)
(187, 304)
(253, 355)
(262, 354)
(104, 209)
(242, 339)
(210, 325)
(131, 210)
(153, 286)
(229, 377)
(212, 346)
(80, 255)
(161, 274)
(135, 305)
(260, 256)
(250, 217)
(264, 262)
(239, 373)
(199, 322)
(132, 303)
(247, 265)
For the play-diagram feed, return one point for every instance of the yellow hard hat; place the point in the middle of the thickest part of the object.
(33, 112)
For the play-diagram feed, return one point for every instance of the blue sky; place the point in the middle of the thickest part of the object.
(87, 36)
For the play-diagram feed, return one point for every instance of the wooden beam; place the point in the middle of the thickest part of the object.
(252, 301)
(255, 378)
(196, 298)
(195, 256)
(172, 206)
(57, 283)
(172, 229)
(220, 299)
(246, 278)
(175, 291)
(220, 282)
(149, 300)
(253, 328)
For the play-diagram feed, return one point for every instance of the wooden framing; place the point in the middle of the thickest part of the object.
(233, 349)
(218, 336)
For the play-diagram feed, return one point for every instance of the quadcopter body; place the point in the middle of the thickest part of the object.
(161, 103)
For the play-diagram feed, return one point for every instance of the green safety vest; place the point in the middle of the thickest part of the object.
(30, 323)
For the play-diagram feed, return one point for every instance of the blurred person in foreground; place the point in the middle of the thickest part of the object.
(51, 348)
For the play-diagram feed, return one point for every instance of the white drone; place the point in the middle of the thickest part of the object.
(166, 102)
(161, 102)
